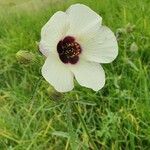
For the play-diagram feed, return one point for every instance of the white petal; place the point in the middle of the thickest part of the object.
(82, 20)
(89, 74)
(44, 48)
(57, 74)
(53, 31)
(103, 48)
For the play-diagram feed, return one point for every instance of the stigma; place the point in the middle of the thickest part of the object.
(69, 50)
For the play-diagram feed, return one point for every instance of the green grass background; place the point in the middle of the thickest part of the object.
(115, 118)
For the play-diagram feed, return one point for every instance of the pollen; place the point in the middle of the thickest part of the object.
(69, 50)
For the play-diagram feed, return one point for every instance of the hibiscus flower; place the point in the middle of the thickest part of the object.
(75, 43)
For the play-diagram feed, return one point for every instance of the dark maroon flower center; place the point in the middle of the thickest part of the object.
(69, 50)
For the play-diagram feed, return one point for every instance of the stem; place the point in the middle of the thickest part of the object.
(72, 133)
(34, 93)
(85, 127)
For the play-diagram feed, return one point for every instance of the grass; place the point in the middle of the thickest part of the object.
(32, 117)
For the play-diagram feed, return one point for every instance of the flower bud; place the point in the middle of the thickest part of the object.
(54, 94)
(134, 47)
(25, 57)
(120, 32)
